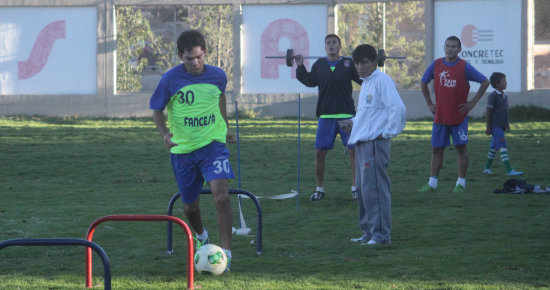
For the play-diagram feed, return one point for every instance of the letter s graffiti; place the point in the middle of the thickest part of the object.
(41, 50)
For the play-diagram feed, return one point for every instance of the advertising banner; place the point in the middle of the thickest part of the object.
(490, 32)
(269, 30)
(47, 51)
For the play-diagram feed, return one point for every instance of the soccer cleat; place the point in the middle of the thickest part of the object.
(362, 239)
(426, 188)
(354, 194)
(514, 173)
(199, 243)
(458, 188)
(487, 171)
(318, 195)
(228, 267)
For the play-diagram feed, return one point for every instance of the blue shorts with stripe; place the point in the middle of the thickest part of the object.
(327, 129)
(192, 169)
(445, 135)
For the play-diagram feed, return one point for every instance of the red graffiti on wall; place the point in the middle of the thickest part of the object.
(41, 50)
(269, 45)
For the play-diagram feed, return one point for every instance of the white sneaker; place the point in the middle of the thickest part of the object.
(373, 242)
(361, 239)
(514, 173)
(487, 171)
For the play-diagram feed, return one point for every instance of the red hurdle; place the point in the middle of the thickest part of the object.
(91, 229)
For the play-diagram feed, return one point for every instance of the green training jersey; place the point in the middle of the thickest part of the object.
(192, 103)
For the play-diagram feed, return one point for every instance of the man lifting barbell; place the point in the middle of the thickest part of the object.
(289, 57)
(332, 75)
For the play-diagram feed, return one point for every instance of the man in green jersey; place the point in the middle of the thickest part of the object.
(193, 95)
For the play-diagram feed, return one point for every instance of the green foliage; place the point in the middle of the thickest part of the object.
(58, 176)
(528, 113)
(245, 114)
(128, 75)
(135, 39)
(364, 23)
(134, 36)
(216, 23)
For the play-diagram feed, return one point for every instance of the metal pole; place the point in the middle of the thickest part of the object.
(384, 31)
(238, 144)
(239, 163)
(298, 170)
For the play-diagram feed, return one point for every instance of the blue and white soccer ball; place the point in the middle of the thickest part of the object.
(210, 259)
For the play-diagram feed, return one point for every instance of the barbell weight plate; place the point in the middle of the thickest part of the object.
(289, 57)
(381, 57)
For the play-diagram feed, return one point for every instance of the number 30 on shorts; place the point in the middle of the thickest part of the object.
(221, 165)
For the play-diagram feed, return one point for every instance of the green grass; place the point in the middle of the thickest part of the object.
(57, 175)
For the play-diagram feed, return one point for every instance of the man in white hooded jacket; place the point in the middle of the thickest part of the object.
(380, 116)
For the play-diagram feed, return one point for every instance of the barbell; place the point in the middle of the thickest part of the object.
(289, 57)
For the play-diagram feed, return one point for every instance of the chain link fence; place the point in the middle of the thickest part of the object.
(542, 44)
(147, 35)
(397, 27)
(146, 38)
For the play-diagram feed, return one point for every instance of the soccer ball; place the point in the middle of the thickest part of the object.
(210, 259)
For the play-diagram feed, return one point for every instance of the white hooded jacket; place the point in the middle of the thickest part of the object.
(380, 110)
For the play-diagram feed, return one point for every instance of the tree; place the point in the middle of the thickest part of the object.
(137, 46)
(364, 23)
(216, 23)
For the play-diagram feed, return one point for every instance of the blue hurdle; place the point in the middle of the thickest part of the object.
(169, 249)
(66, 242)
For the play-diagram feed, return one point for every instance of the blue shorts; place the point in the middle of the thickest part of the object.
(192, 169)
(445, 135)
(497, 140)
(327, 128)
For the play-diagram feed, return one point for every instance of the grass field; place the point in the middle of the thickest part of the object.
(57, 175)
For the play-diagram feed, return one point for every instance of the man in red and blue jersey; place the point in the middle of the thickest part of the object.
(451, 76)
(193, 94)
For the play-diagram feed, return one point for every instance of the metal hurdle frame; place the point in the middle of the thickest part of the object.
(169, 249)
(67, 242)
(190, 258)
